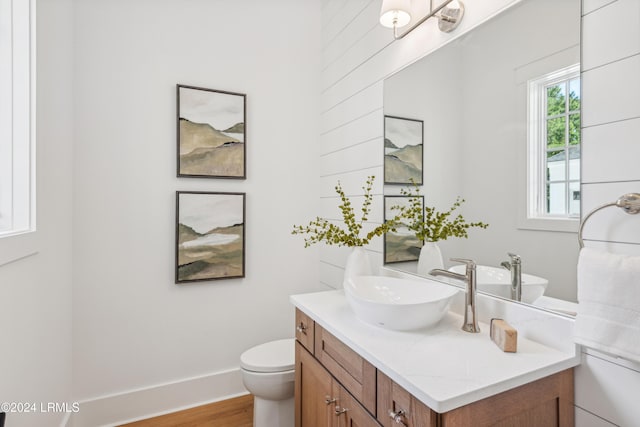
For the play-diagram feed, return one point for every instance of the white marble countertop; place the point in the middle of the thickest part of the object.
(443, 367)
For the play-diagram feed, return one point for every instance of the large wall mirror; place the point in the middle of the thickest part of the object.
(474, 98)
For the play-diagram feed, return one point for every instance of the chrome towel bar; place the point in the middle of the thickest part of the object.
(629, 202)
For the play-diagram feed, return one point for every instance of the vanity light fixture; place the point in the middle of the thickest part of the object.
(395, 14)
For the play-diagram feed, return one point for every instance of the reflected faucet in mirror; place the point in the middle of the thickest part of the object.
(514, 265)
(470, 323)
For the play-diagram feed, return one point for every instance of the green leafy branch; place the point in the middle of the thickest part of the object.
(434, 225)
(321, 230)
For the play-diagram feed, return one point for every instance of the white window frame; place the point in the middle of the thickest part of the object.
(536, 216)
(17, 129)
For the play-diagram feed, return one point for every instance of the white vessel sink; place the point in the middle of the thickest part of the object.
(398, 304)
(497, 281)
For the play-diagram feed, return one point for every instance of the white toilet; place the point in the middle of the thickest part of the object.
(268, 372)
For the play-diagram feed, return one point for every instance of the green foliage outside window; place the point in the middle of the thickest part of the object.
(556, 126)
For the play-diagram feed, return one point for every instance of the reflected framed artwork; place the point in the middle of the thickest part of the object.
(210, 236)
(211, 133)
(401, 245)
(403, 142)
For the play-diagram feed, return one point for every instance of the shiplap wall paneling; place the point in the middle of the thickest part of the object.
(608, 390)
(602, 145)
(611, 33)
(612, 92)
(587, 419)
(611, 119)
(363, 129)
(589, 6)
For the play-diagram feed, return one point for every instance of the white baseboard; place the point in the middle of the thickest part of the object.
(157, 400)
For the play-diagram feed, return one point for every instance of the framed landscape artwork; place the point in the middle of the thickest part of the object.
(211, 133)
(403, 142)
(402, 245)
(210, 236)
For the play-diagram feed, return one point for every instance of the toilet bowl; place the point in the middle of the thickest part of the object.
(268, 372)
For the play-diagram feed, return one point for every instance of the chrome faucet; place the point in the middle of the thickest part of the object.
(514, 265)
(470, 319)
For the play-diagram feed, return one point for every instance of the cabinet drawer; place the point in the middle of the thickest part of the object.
(356, 374)
(304, 330)
(396, 406)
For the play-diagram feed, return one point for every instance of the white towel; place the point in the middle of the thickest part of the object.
(608, 316)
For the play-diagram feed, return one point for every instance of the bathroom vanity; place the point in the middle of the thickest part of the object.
(349, 373)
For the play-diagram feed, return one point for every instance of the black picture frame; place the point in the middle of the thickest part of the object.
(402, 245)
(403, 150)
(210, 236)
(211, 133)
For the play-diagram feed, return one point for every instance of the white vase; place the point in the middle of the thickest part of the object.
(357, 264)
(430, 258)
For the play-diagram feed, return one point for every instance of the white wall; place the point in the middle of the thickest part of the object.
(605, 387)
(35, 292)
(133, 327)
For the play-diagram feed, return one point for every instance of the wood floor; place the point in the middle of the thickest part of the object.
(236, 412)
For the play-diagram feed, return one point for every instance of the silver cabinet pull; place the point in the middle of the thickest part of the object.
(302, 328)
(339, 411)
(328, 400)
(398, 416)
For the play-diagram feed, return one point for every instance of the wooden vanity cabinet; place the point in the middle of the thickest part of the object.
(336, 387)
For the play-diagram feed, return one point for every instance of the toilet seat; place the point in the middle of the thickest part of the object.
(274, 356)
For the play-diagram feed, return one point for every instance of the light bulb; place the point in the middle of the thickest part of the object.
(395, 13)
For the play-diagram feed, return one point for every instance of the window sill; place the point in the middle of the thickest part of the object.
(16, 247)
(563, 225)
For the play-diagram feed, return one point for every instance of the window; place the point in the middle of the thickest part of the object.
(17, 203)
(554, 147)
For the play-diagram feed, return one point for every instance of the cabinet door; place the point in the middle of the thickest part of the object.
(396, 406)
(547, 402)
(315, 399)
(350, 413)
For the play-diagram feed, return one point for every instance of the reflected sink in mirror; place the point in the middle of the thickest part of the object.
(398, 304)
(497, 281)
